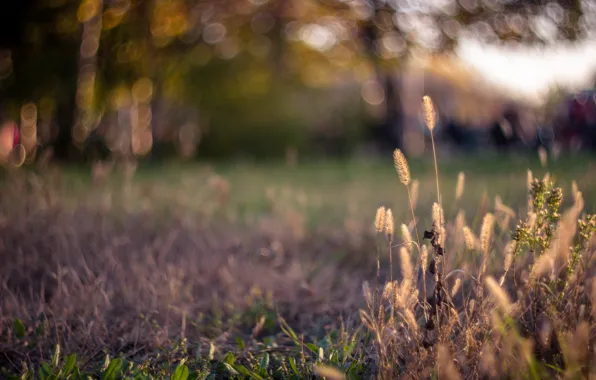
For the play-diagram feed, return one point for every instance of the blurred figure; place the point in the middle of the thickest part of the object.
(9, 139)
(461, 136)
(505, 133)
(575, 122)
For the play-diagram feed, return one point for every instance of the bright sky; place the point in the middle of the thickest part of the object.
(530, 72)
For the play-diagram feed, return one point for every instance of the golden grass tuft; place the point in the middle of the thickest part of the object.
(424, 258)
(406, 237)
(437, 215)
(430, 115)
(380, 219)
(389, 225)
(469, 238)
(414, 190)
(402, 168)
(406, 265)
(499, 294)
(459, 188)
(486, 232)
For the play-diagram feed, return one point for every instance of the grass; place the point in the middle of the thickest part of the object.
(257, 271)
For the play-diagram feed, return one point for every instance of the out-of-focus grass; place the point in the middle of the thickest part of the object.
(199, 261)
(328, 192)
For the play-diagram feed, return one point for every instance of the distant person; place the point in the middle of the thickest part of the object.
(504, 134)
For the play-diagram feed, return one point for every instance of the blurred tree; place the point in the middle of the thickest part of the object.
(260, 69)
(392, 31)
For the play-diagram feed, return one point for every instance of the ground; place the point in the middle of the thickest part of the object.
(235, 269)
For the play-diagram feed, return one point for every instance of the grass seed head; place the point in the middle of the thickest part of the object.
(424, 257)
(438, 217)
(406, 264)
(406, 236)
(414, 188)
(401, 166)
(380, 219)
(486, 232)
(469, 238)
(456, 286)
(509, 251)
(542, 156)
(430, 116)
(389, 225)
(459, 188)
(499, 294)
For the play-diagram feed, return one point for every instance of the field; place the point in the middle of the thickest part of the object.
(270, 271)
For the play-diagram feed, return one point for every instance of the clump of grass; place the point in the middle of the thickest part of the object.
(521, 326)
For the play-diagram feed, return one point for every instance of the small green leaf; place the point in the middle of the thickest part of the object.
(313, 348)
(240, 343)
(230, 368)
(45, 371)
(293, 365)
(69, 364)
(181, 372)
(264, 361)
(113, 370)
(229, 358)
(19, 328)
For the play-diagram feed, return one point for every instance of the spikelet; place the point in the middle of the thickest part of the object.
(401, 166)
(574, 190)
(460, 222)
(485, 232)
(388, 291)
(406, 236)
(410, 320)
(406, 264)
(469, 238)
(456, 287)
(459, 188)
(438, 218)
(430, 116)
(389, 225)
(542, 156)
(367, 293)
(414, 188)
(380, 219)
(424, 257)
(509, 251)
(499, 294)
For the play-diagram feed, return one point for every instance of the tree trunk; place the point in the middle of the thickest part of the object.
(392, 125)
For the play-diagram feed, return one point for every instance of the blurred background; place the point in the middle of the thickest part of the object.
(285, 79)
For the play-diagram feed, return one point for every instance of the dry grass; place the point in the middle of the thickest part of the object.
(156, 272)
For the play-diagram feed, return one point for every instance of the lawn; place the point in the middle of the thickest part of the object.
(239, 270)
